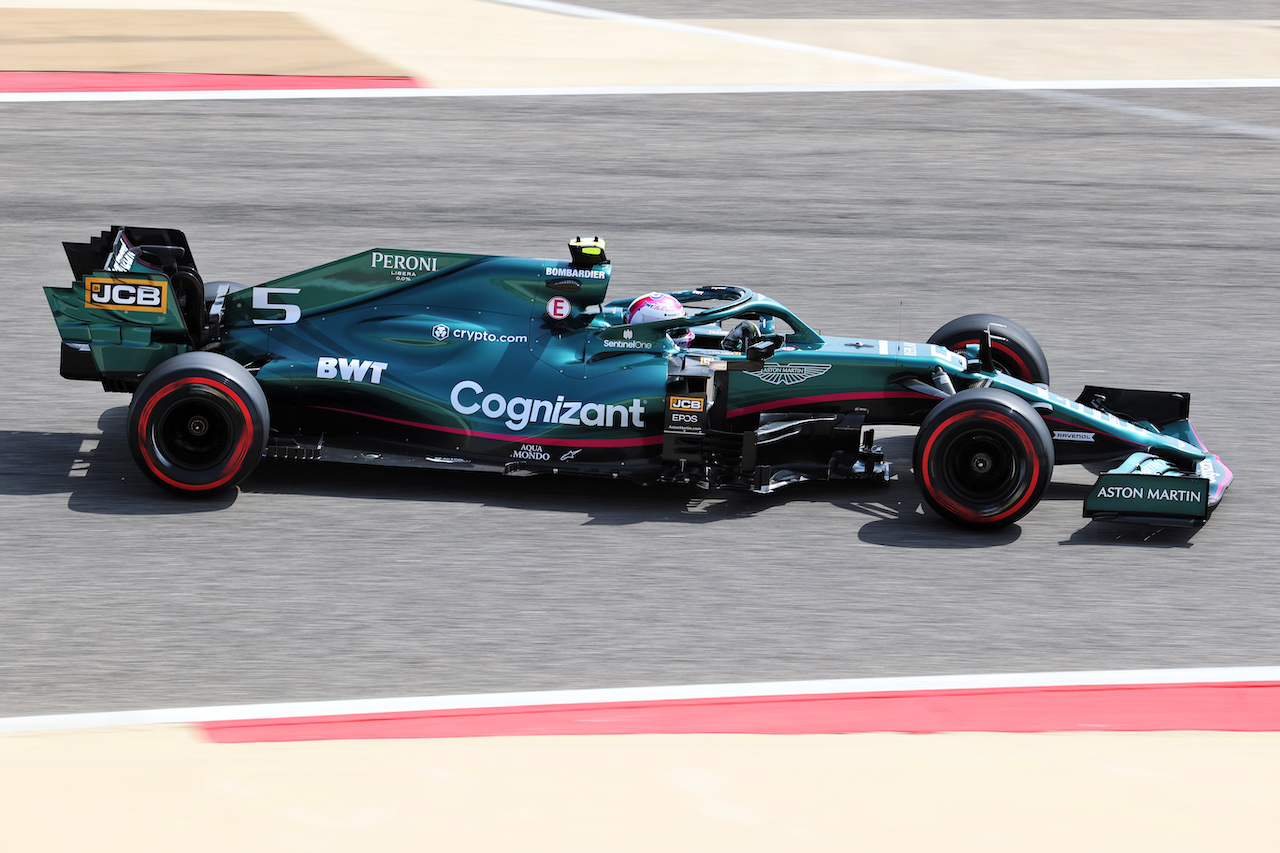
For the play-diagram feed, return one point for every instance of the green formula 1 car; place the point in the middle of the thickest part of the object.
(524, 366)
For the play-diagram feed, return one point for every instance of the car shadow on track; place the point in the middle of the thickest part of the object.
(891, 511)
(1132, 535)
(94, 468)
(99, 474)
(888, 513)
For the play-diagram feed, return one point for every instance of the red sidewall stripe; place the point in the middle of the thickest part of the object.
(238, 453)
(965, 512)
(1241, 706)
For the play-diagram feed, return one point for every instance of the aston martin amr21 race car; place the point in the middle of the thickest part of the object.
(523, 366)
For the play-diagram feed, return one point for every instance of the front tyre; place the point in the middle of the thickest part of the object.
(1013, 349)
(198, 424)
(983, 458)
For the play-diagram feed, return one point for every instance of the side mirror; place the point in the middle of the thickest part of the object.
(762, 350)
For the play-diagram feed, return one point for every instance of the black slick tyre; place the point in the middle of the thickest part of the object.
(983, 458)
(1013, 349)
(198, 424)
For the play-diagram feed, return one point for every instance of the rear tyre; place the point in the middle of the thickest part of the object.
(983, 458)
(198, 424)
(1017, 355)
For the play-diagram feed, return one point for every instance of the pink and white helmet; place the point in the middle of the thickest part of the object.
(660, 306)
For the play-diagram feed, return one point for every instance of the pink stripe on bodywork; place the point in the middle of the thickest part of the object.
(827, 398)
(520, 439)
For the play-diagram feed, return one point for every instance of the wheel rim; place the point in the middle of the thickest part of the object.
(194, 434)
(980, 466)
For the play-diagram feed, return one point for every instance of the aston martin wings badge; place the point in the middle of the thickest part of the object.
(788, 374)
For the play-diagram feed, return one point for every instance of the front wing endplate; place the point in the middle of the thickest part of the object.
(1149, 490)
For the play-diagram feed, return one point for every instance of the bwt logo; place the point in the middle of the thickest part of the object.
(125, 294)
(350, 369)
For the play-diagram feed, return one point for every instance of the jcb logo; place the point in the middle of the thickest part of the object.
(688, 404)
(125, 294)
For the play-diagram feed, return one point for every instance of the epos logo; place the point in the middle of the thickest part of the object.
(126, 294)
(688, 404)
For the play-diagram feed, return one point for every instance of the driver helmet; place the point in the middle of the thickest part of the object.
(660, 306)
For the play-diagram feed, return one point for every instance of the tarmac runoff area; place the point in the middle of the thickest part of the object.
(1158, 760)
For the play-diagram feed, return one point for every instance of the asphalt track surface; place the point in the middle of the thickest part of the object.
(1140, 252)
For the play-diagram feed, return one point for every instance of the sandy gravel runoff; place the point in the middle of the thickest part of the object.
(477, 44)
(164, 789)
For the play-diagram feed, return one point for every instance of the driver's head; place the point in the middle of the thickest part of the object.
(660, 306)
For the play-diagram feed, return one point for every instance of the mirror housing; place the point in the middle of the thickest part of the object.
(762, 350)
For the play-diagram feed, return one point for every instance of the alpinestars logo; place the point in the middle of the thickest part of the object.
(788, 374)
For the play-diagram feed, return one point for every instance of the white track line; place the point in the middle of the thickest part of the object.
(1235, 128)
(119, 719)
(1038, 87)
(743, 38)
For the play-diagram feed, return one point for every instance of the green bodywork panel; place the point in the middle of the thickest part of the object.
(120, 316)
(439, 280)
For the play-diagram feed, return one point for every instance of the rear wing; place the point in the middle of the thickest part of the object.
(137, 299)
(129, 250)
